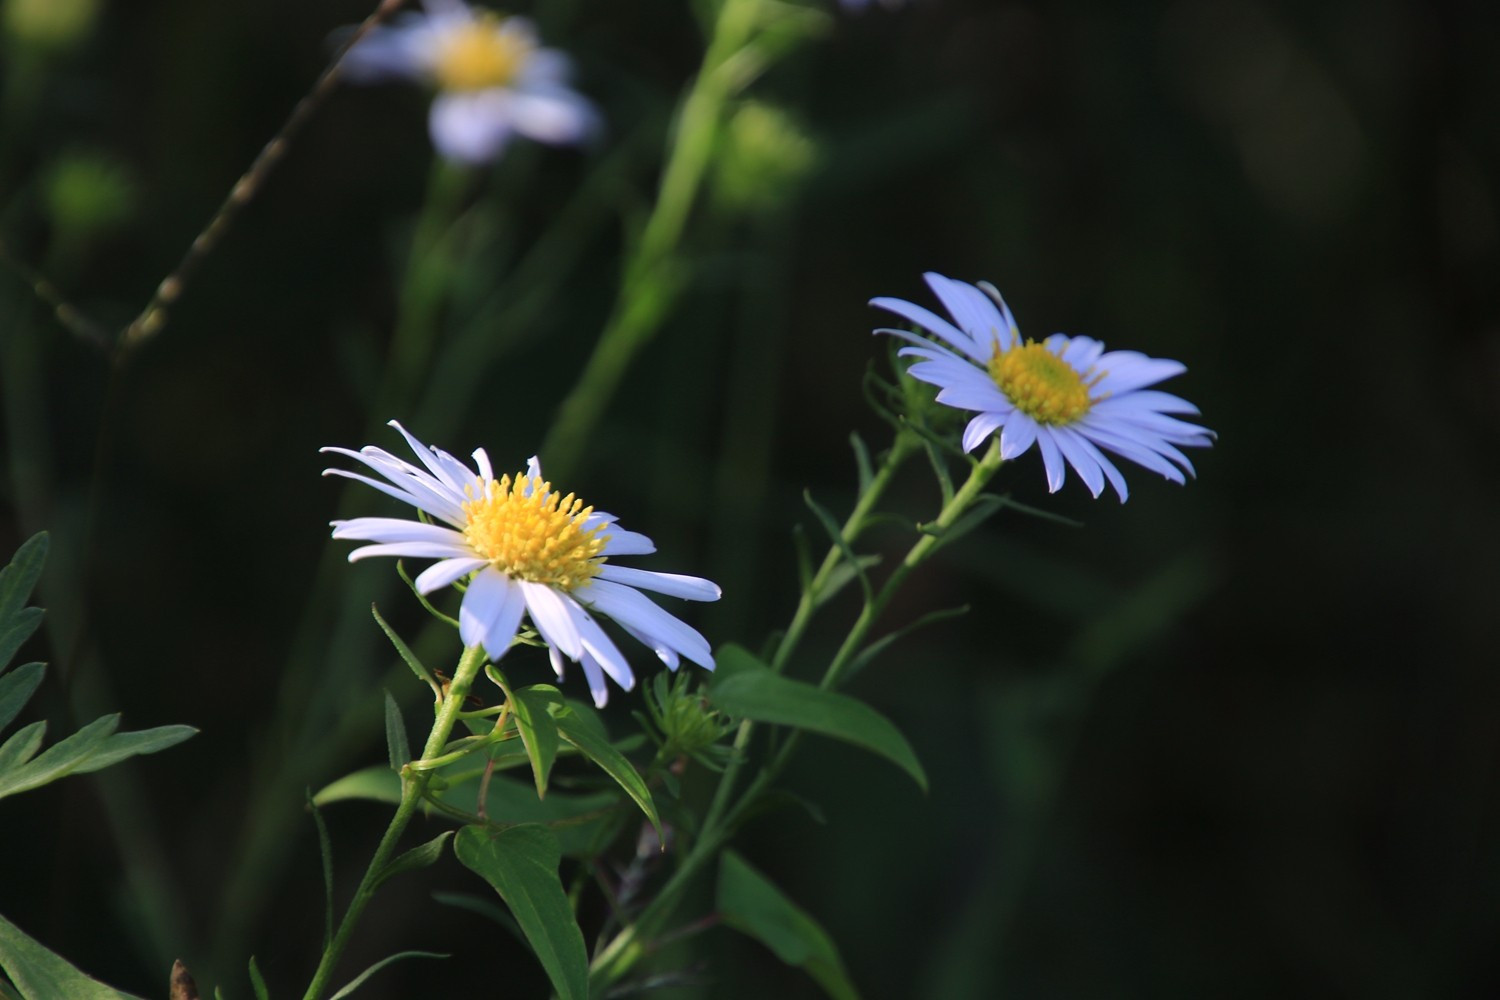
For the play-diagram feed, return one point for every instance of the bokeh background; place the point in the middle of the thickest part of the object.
(1233, 739)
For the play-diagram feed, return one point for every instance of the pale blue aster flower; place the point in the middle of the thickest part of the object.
(1066, 395)
(493, 78)
(525, 549)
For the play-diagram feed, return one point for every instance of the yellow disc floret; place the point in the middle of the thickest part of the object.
(1041, 385)
(528, 532)
(479, 55)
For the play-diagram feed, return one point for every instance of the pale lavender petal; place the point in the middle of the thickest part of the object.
(975, 314)
(1052, 459)
(980, 428)
(689, 588)
(471, 127)
(1079, 458)
(929, 321)
(1017, 435)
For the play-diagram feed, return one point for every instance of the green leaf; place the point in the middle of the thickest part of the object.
(753, 905)
(258, 982)
(38, 974)
(15, 630)
(598, 749)
(407, 656)
(325, 853)
(21, 745)
(836, 535)
(861, 462)
(17, 689)
(61, 758)
(19, 578)
(840, 576)
(880, 645)
(397, 748)
(415, 859)
(538, 729)
(744, 687)
(359, 980)
(120, 746)
(521, 864)
(376, 784)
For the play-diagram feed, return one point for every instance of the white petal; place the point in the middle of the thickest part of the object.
(470, 127)
(980, 428)
(626, 543)
(663, 652)
(395, 529)
(553, 617)
(553, 115)
(448, 470)
(602, 649)
(690, 588)
(595, 678)
(440, 574)
(1017, 435)
(412, 550)
(490, 613)
(635, 610)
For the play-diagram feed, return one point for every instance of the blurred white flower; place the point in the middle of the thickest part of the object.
(493, 78)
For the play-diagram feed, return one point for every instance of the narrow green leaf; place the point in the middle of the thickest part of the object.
(258, 982)
(421, 597)
(16, 690)
(38, 974)
(397, 747)
(844, 572)
(19, 578)
(22, 744)
(359, 980)
(744, 687)
(836, 535)
(754, 906)
(417, 858)
(804, 558)
(939, 469)
(375, 784)
(521, 864)
(61, 758)
(325, 854)
(598, 749)
(861, 462)
(407, 656)
(120, 746)
(538, 729)
(984, 505)
(880, 645)
(15, 630)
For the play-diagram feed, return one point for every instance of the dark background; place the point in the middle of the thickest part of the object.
(1233, 739)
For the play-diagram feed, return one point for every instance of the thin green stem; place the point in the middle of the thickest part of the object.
(413, 784)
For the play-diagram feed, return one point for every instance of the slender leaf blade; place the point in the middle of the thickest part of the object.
(258, 982)
(374, 784)
(422, 856)
(120, 746)
(407, 656)
(538, 729)
(359, 980)
(614, 763)
(521, 864)
(744, 687)
(753, 905)
(38, 974)
(397, 746)
(16, 690)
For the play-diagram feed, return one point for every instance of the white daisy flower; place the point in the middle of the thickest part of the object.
(493, 79)
(1066, 395)
(525, 549)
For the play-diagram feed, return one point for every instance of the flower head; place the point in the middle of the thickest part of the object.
(525, 549)
(493, 79)
(1066, 395)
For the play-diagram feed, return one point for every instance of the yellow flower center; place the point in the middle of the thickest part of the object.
(1041, 385)
(528, 532)
(479, 56)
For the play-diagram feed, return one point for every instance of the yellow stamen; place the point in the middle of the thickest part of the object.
(530, 533)
(1041, 385)
(478, 55)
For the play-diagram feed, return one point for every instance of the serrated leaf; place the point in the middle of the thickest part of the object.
(38, 974)
(407, 656)
(538, 729)
(120, 746)
(60, 759)
(359, 980)
(397, 748)
(753, 905)
(745, 688)
(417, 858)
(22, 744)
(521, 864)
(18, 579)
(614, 763)
(15, 630)
(16, 690)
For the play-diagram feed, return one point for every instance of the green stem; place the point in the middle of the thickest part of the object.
(413, 784)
